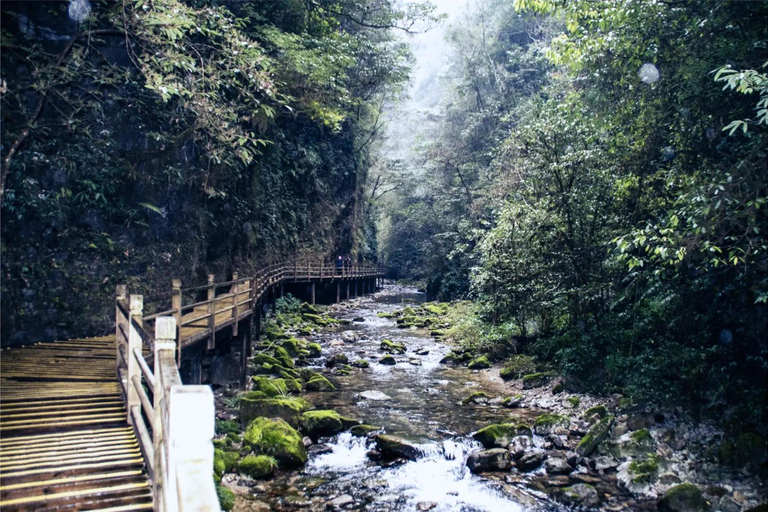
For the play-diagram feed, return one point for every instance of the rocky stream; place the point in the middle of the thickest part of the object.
(448, 438)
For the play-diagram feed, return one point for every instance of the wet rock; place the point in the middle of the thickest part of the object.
(603, 463)
(392, 347)
(450, 358)
(519, 446)
(360, 363)
(422, 352)
(396, 446)
(319, 383)
(557, 386)
(388, 360)
(479, 363)
(363, 430)
(315, 350)
(287, 408)
(584, 478)
(321, 423)
(535, 380)
(319, 449)
(632, 444)
(683, 498)
(512, 402)
(583, 495)
(425, 506)
(415, 362)
(348, 337)
(337, 359)
(374, 395)
(478, 397)
(573, 458)
(278, 438)
(594, 437)
(225, 370)
(358, 319)
(496, 459)
(557, 466)
(497, 435)
(307, 442)
(345, 501)
(557, 441)
(546, 423)
(640, 421)
(638, 475)
(530, 461)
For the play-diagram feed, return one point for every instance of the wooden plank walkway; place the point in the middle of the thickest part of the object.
(64, 439)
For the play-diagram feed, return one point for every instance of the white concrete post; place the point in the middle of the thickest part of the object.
(165, 349)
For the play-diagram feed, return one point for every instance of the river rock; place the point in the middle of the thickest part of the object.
(595, 436)
(496, 459)
(319, 449)
(557, 441)
(557, 466)
(374, 395)
(337, 359)
(602, 463)
(631, 444)
(497, 436)
(422, 352)
(225, 370)
(425, 506)
(547, 423)
(584, 495)
(519, 446)
(348, 337)
(388, 360)
(415, 362)
(530, 461)
(683, 498)
(396, 446)
(345, 501)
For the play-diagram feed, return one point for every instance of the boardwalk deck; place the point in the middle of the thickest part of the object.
(64, 440)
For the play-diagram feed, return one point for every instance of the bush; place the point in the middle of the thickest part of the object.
(287, 305)
(517, 366)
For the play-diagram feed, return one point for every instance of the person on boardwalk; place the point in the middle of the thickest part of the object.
(339, 264)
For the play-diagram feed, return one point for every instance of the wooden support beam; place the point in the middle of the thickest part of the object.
(211, 312)
(313, 293)
(338, 292)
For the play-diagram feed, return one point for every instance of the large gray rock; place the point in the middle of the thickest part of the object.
(397, 447)
(530, 461)
(557, 466)
(595, 436)
(496, 459)
(584, 495)
(519, 446)
(683, 498)
(225, 370)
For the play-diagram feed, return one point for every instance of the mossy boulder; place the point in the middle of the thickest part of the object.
(319, 383)
(644, 470)
(500, 435)
(274, 333)
(547, 423)
(476, 397)
(276, 387)
(363, 430)
(292, 346)
(284, 357)
(306, 307)
(581, 494)
(392, 347)
(317, 319)
(388, 360)
(336, 360)
(219, 467)
(408, 311)
(450, 358)
(257, 466)
(315, 350)
(321, 423)
(631, 444)
(596, 435)
(260, 359)
(573, 401)
(277, 438)
(598, 410)
(226, 498)
(287, 408)
(535, 380)
(360, 363)
(512, 402)
(382, 314)
(684, 497)
(479, 363)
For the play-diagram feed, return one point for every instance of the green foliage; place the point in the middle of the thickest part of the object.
(287, 304)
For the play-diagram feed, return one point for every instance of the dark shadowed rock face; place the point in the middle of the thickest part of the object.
(225, 370)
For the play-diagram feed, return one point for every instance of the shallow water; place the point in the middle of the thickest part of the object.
(421, 403)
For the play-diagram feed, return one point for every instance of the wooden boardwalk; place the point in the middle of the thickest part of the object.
(64, 440)
(90, 424)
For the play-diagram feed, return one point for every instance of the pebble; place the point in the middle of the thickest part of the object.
(424, 506)
(343, 501)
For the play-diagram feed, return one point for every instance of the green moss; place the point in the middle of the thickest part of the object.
(292, 346)
(361, 363)
(277, 438)
(450, 358)
(219, 468)
(220, 443)
(274, 333)
(287, 408)
(534, 380)
(226, 498)
(233, 438)
(270, 387)
(474, 396)
(230, 461)
(645, 470)
(685, 496)
(594, 437)
(573, 401)
(392, 347)
(408, 311)
(479, 363)
(315, 350)
(512, 401)
(227, 426)
(433, 309)
(641, 436)
(382, 314)
(257, 466)
(600, 410)
(321, 423)
(549, 420)
(260, 359)
(388, 360)
(319, 383)
(499, 435)
(285, 359)
(363, 430)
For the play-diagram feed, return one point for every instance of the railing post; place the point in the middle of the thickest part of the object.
(134, 342)
(176, 304)
(211, 312)
(121, 292)
(191, 429)
(235, 287)
(165, 349)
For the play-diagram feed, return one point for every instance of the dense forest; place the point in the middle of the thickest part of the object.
(595, 177)
(146, 140)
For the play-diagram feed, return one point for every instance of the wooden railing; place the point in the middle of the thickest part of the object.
(174, 423)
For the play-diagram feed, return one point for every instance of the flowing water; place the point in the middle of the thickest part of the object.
(421, 403)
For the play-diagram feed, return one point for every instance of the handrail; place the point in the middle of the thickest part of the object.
(174, 423)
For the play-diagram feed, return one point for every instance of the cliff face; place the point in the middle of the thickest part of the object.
(114, 183)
